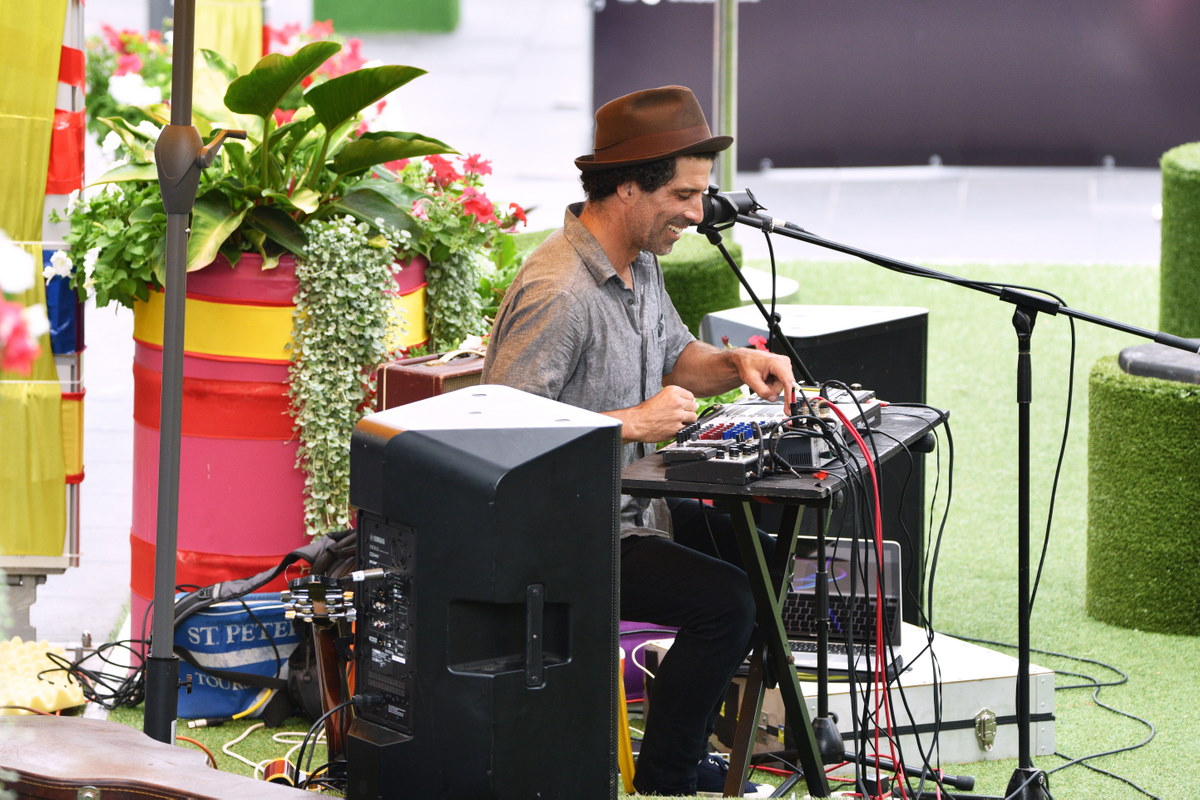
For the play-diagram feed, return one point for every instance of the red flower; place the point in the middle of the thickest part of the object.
(346, 60)
(17, 348)
(475, 165)
(759, 342)
(282, 35)
(444, 172)
(320, 29)
(517, 213)
(128, 63)
(113, 38)
(284, 115)
(397, 165)
(418, 209)
(476, 203)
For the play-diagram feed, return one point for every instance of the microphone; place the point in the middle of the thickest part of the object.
(722, 209)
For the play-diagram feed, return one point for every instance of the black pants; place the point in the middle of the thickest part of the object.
(694, 583)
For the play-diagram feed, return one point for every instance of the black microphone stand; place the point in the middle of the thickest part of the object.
(1027, 782)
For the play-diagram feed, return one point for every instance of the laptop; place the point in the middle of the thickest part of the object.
(854, 594)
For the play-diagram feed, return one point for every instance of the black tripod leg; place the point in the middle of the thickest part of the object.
(743, 738)
(779, 657)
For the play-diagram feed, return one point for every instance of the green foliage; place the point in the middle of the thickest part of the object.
(343, 319)
(128, 227)
(1142, 499)
(493, 284)
(126, 72)
(1179, 304)
(699, 280)
(465, 237)
(258, 193)
(454, 309)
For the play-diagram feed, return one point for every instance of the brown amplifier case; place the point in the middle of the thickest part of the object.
(410, 379)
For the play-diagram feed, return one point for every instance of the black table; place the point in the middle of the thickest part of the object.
(898, 428)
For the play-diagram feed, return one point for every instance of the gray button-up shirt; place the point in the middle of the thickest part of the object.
(570, 330)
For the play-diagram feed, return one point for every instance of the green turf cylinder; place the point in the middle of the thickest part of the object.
(1179, 272)
(1143, 551)
(699, 279)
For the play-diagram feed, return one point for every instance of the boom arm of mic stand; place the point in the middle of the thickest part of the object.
(1024, 299)
(771, 319)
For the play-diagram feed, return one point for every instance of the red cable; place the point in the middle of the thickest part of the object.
(882, 696)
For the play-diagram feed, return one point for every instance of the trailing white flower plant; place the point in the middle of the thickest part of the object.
(343, 326)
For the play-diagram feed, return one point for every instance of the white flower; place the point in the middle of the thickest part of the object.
(36, 320)
(148, 128)
(16, 267)
(90, 258)
(131, 90)
(112, 142)
(60, 265)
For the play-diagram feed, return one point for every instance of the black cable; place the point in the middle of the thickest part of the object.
(925, 620)
(313, 733)
(1096, 686)
(1062, 449)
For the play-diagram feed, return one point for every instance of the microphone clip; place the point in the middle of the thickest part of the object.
(722, 209)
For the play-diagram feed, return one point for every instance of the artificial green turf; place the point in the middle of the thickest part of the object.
(972, 372)
(257, 747)
(1142, 499)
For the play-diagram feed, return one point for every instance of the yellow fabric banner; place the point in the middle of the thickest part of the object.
(233, 28)
(32, 472)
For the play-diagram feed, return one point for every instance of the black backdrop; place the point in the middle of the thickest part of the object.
(884, 82)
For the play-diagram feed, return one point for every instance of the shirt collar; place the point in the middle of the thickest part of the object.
(590, 251)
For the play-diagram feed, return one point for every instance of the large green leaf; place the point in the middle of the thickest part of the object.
(129, 172)
(383, 147)
(278, 227)
(337, 100)
(213, 221)
(211, 78)
(261, 89)
(139, 143)
(374, 207)
(302, 199)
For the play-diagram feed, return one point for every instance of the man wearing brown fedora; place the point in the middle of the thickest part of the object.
(588, 322)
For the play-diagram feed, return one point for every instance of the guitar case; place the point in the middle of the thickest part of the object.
(67, 758)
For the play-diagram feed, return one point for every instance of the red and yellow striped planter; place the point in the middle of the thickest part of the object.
(241, 497)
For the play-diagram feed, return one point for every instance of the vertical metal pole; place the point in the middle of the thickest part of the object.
(725, 36)
(178, 172)
(1027, 781)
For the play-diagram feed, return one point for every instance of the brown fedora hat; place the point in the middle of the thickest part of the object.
(648, 125)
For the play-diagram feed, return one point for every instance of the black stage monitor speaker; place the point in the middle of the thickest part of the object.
(883, 349)
(492, 635)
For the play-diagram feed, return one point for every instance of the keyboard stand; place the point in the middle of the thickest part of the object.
(771, 662)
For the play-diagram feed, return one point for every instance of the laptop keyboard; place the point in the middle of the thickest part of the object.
(800, 617)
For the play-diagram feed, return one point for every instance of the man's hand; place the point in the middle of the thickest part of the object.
(658, 418)
(767, 374)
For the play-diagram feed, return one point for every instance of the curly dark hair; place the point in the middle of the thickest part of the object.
(649, 177)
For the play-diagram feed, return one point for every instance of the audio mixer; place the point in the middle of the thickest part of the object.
(743, 441)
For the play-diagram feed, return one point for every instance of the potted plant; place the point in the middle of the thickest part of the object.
(310, 189)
